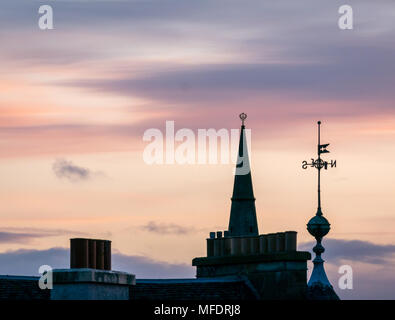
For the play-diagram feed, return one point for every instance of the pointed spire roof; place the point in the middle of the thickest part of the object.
(243, 220)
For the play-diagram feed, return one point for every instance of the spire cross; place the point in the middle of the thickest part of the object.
(319, 164)
(242, 116)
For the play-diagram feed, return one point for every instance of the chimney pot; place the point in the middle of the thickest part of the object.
(280, 241)
(235, 248)
(79, 253)
(100, 254)
(263, 243)
(271, 242)
(90, 253)
(290, 240)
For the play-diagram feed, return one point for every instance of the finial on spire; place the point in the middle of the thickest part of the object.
(242, 116)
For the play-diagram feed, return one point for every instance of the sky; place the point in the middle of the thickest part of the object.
(75, 102)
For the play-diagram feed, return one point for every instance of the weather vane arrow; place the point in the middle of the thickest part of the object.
(322, 148)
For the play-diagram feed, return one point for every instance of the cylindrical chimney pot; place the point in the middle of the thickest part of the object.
(255, 245)
(217, 247)
(92, 253)
(100, 254)
(280, 241)
(246, 245)
(222, 246)
(227, 246)
(271, 242)
(210, 247)
(107, 255)
(290, 240)
(79, 253)
(235, 248)
(263, 243)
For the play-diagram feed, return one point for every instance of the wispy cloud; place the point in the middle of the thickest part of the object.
(26, 235)
(215, 82)
(65, 169)
(167, 228)
(12, 237)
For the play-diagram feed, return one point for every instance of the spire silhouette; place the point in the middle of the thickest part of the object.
(319, 287)
(243, 220)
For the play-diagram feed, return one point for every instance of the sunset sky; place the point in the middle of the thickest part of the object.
(75, 102)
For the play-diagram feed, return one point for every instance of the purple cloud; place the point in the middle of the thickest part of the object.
(27, 262)
(65, 169)
(167, 228)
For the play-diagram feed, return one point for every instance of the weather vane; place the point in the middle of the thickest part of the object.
(319, 164)
(242, 116)
(319, 227)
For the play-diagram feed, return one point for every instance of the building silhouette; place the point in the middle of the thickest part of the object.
(241, 264)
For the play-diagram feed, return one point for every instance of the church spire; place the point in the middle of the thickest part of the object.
(243, 220)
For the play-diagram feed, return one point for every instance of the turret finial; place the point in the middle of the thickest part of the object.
(242, 116)
(319, 227)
